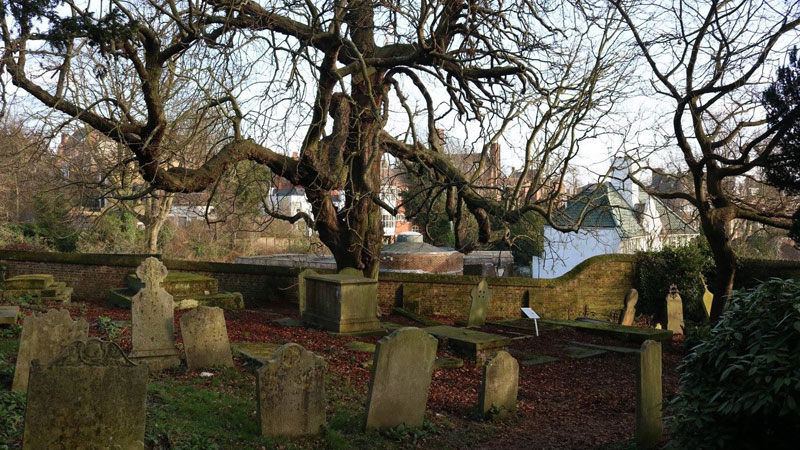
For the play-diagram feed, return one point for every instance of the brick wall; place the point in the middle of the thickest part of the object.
(597, 286)
(92, 275)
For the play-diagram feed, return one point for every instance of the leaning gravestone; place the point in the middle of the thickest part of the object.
(401, 376)
(301, 289)
(481, 294)
(674, 311)
(649, 423)
(499, 384)
(152, 316)
(290, 392)
(90, 396)
(630, 307)
(43, 336)
(205, 338)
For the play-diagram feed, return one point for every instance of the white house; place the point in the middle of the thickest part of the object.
(617, 217)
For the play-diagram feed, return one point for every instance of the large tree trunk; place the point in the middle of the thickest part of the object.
(714, 229)
(157, 209)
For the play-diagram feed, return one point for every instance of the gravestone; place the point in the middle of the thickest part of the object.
(90, 396)
(290, 389)
(649, 423)
(481, 294)
(205, 338)
(43, 336)
(401, 376)
(674, 311)
(499, 384)
(630, 307)
(152, 317)
(301, 289)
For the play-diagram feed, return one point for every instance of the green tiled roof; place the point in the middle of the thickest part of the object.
(603, 206)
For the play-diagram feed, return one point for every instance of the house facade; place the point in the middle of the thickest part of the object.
(614, 217)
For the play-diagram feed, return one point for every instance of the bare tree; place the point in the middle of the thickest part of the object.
(341, 83)
(709, 59)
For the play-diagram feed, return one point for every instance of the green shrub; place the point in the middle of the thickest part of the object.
(12, 410)
(740, 386)
(683, 266)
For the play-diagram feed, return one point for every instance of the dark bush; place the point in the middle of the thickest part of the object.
(740, 386)
(683, 266)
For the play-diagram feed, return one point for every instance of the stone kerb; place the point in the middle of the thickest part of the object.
(43, 336)
(401, 377)
(89, 396)
(290, 392)
(499, 386)
(205, 338)
(649, 422)
(152, 317)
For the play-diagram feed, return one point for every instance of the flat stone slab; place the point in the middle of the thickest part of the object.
(531, 359)
(610, 348)
(579, 352)
(288, 322)
(476, 345)
(258, 352)
(535, 360)
(30, 281)
(525, 325)
(621, 332)
(358, 346)
(8, 315)
(448, 363)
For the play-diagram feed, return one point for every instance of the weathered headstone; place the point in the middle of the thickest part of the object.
(481, 294)
(43, 336)
(301, 289)
(630, 307)
(649, 423)
(152, 316)
(290, 389)
(674, 311)
(499, 384)
(401, 377)
(89, 396)
(205, 338)
(708, 297)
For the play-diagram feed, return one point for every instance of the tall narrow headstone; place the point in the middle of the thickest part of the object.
(152, 317)
(301, 289)
(481, 294)
(499, 385)
(630, 307)
(89, 396)
(674, 311)
(43, 336)
(649, 422)
(401, 376)
(290, 391)
(205, 338)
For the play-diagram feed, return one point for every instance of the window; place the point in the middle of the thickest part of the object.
(387, 221)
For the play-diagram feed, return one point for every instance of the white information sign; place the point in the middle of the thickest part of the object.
(531, 314)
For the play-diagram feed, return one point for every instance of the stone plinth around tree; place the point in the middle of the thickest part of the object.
(343, 303)
(90, 396)
(152, 317)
